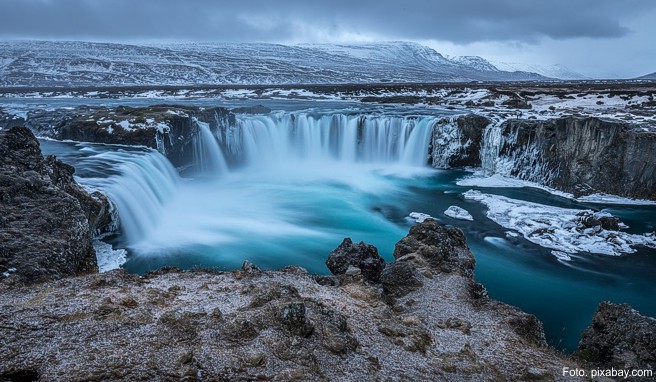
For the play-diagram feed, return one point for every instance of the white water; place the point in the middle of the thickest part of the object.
(207, 153)
(287, 169)
(285, 137)
(144, 183)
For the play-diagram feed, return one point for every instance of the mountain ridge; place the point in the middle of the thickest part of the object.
(77, 63)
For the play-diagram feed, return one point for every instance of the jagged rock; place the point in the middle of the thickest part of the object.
(400, 278)
(590, 221)
(444, 248)
(249, 267)
(336, 335)
(458, 143)
(10, 120)
(361, 255)
(529, 327)
(44, 214)
(619, 337)
(610, 223)
(178, 325)
(517, 103)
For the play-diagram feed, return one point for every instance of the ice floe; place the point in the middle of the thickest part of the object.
(458, 213)
(420, 217)
(108, 257)
(560, 229)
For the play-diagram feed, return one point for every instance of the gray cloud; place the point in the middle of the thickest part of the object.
(460, 22)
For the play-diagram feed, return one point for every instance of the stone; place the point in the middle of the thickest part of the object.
(443, 247)
(293, 316)
(590, 155)
(400, 278)
(619, 337)
(361, 255)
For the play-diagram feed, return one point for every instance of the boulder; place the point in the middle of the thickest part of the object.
(359, 255)
(444, 248)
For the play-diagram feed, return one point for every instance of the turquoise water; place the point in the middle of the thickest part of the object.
(297, 211)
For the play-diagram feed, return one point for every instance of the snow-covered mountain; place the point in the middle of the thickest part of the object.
(552, 71)
(650, 76)
(48, 63)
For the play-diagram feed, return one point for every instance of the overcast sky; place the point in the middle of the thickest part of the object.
(599, 38)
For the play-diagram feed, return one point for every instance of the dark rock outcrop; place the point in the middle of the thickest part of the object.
(359, 255)
(444, 248)
(44, 214)
(457, 143)
(10, 120)
(400, 278)
(619, 337)
(169, 129)
(583, 155)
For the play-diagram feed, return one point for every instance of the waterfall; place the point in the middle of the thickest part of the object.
(285, 137)
(141, 185)
(207, 153)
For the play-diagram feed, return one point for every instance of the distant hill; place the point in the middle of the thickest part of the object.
(650, 76)
(553, 71)
(49, 63)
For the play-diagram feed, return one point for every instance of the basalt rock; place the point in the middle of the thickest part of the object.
(620, 338)
(583, 155)
(169, 129)
(457, 143)
(44, 215)
(10, 120)
(360, 255)
(444, 248)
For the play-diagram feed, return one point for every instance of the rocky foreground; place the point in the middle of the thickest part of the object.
(425, 319)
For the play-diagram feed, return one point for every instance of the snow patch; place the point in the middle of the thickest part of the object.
(558, 228)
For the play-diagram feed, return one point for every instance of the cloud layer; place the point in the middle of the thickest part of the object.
(460, 22)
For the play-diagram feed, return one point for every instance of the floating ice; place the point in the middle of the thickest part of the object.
(558, 228)
(458, 213)
(108, 257)
(420, 217)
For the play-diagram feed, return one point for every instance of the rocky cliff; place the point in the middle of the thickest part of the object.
(573, 154)
(583, 155)
(456, 142)
(169, 129)
(425, 319)
(619, 338)
(46, 219)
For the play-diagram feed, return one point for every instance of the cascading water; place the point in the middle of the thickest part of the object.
(143, 183)
(337, 137)
(207, 153)
(157, 211)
